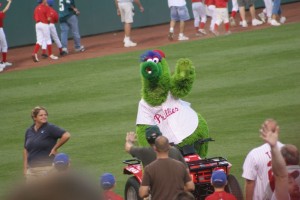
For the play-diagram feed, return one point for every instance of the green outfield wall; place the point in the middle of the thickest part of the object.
(97, 16)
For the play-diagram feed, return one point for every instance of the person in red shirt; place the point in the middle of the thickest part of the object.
(53, 32)
(221, 13)
(3, 43)
(43, 18)
(219, 181)
(108, 182)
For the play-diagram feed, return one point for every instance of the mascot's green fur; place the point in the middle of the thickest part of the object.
(157, 86)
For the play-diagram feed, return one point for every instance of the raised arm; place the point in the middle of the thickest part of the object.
(130, 140)
(269, 134)
(7, 6)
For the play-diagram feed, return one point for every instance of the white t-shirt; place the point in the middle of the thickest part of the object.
(257, 167)
(176, 3)
(175, 118)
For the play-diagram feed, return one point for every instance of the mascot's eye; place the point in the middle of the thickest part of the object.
(156, 60)
(149, 60)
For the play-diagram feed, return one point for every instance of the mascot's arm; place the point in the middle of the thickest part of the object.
(183, 78)
(140, 131)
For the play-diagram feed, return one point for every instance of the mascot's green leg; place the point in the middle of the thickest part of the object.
(141, 138)
(200, 133)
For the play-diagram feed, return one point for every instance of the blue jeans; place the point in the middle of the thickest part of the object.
(276, 7)
(70, 23)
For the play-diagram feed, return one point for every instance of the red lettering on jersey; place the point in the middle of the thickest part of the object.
(167, 113)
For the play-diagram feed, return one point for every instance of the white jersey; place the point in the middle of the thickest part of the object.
(175, 118)
(176, 3)
(258, 167)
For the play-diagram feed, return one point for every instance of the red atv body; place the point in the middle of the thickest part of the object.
(200, 171)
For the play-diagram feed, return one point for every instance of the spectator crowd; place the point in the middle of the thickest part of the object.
(271, 171)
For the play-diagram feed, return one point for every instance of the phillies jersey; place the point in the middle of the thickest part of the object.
(258, 167)
(175, 118)
(2, 16)
(41, 14)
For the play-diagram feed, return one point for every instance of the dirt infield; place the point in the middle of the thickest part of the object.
(111, 43)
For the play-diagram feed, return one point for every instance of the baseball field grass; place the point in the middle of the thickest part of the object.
(242, 79)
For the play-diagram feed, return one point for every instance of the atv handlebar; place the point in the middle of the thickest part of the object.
(133, 161)
(202, 141)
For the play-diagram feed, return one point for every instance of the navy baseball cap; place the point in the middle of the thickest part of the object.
(61, 159)
(152, 132)
(219, 178)
(107, 181)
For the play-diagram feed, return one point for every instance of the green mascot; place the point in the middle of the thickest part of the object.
(161, 102)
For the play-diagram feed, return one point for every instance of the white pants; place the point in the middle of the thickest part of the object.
(221, 15)
(235, 6)
(54, 36)
(42, 33)
(210, 11)
(198, 12)
(3, 43)
(268, 8)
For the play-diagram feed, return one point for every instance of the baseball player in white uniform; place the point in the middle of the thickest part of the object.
(199, 12)
(257, 172)
(3, 42)
(53, 32)
(234, 10)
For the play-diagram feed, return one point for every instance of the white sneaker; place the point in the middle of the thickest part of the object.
(182, 37)
(228, 33)
(65, 50)
(53, 57)
(275, 23)
(7, 64)
(202, 31)
(129, 43)
(282, 20)
(2, 66)
(35, 58)
(232, 21)
(269, 20)
(80, 49)
(216, 33)
(244, 24)
(262, 16)
(256, 22)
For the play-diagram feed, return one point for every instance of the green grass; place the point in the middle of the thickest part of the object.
(242, 79)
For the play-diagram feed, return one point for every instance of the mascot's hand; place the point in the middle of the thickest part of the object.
(184, 68)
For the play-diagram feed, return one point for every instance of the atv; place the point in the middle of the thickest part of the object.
(200, 171)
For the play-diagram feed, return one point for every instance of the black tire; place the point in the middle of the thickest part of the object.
(234, 187)
(132, 189)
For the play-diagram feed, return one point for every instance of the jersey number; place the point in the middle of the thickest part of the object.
(61, 4)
